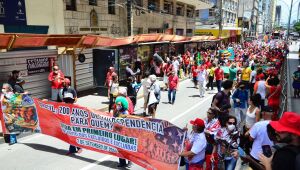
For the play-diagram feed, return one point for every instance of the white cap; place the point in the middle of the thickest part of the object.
(152, 78)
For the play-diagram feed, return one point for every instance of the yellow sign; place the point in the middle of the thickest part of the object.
(215, 32)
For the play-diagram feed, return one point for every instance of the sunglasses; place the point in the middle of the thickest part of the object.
(231, 123)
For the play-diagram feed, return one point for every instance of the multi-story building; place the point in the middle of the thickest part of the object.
(117, 18)
(277, 15)
(209, 19)
(248, 16)
(266, 13)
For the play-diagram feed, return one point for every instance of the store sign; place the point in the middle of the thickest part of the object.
(12, 12)
(38, 65)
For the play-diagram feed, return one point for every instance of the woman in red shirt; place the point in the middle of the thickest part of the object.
(274, 88)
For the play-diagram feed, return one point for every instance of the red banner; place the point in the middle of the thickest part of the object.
(150, 143)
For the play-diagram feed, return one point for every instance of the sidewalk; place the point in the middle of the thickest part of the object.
(292, 62)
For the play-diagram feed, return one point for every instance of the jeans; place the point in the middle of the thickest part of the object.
(230, 164)
(172, 95)
(240, 114)
(219, 85)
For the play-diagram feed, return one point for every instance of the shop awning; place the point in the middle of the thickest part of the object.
(9, 41)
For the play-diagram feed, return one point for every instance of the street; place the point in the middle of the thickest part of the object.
(44, 152)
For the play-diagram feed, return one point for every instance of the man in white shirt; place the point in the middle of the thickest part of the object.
(259, 136)
(176, 65)
(201, 78)
(252, 80)
(146, 83)
(195, 145)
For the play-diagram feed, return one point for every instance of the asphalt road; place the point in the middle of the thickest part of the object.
(44, 152)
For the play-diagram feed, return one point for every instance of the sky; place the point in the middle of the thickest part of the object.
(285, 6)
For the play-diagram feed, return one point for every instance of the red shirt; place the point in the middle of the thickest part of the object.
(173, 81)
(219, 73)
(58, 82)
(194, 71)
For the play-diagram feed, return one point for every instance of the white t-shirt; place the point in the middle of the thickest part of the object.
(253, 74)
(259, 133)
(198, 140)
(201, 76)
(176, 65)
(261, 89)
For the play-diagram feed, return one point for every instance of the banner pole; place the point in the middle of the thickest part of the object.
(182, 147)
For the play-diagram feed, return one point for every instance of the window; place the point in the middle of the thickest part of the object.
(71, 5)
(197, 13)
(211, 12)
(93, 2)
(153, 5)
(168, 7)
(179, 10)
(112, 7)
(190, 12)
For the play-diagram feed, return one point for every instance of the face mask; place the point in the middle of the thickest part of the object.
(230, 127)
(119, 107)
(4, 91)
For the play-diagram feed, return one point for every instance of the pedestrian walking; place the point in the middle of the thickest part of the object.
(240, 99)
(219, 74)
(274, 88)
(69, 95)
(110, 73)
(296, 82)
(173, 82)
(202, 77)
(113, 91)
(56, 77)
(260, 88)
(195, 73)
(211, 75)
(153, 96)
(252, 79)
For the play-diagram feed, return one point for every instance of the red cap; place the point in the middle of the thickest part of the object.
(197, 122)
(289, 122)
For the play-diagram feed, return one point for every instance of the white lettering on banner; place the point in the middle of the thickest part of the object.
(96, 145)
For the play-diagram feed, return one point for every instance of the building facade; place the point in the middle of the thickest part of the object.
(209, 19)
(248, 16)
(266, 15)
(117, 18)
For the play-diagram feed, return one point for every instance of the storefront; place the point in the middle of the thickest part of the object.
(127, 56)
(34, 67)
(228, 34)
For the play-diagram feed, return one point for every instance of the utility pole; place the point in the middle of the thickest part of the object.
(221, 18)
(130, 17)
(288, 31)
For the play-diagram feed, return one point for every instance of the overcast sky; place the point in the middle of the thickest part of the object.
(285, 6)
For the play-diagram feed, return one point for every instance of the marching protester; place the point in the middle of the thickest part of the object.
(240, 99)
(245, 75)
(195, 145)
(252, 79)
(7, 92)
(138, 70)
(153, 96)
(146, 85)
(202, 79)
(296, 82)
(219, 75)
(227, 141)
(69, 95)
(194, 74)
(56, 78)
(110, 73)
(167, 69)
(260, 88)
(212, 126)
(221, 101)
(286, 131)
(130, 73)
(173, 83)
(211, 75)
(132, 89)
(274, 88)
(113, 90)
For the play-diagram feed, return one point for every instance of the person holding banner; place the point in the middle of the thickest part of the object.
(68, 95)
(195, 146)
